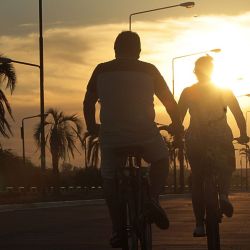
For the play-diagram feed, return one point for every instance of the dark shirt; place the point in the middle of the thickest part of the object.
(126, 89)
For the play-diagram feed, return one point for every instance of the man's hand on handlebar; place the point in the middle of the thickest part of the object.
(176, 130)
(243, 139)
(173, 129)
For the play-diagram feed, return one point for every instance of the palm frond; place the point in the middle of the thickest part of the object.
(5, 129)
(7, 73)
(5, 101)
(64, 132)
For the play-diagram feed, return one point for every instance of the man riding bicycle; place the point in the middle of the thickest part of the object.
(125, 88)
(209, 131)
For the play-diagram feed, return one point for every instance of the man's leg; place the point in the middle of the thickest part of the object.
(109, 163)
(158, 176)
(156, 153)
(112, 201)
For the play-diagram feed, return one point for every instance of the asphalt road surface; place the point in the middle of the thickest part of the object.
(81, 226)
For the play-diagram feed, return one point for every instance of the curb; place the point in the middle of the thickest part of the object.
(57, 204)
(44, 205)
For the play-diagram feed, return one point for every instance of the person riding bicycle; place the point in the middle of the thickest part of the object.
(125, 88)
(209, 131)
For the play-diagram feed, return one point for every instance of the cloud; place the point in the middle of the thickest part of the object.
(66, 46)
(71, 54)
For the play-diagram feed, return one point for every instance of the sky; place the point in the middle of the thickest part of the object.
(79, 34)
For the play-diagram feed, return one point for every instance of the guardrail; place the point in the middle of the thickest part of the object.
(80, 189)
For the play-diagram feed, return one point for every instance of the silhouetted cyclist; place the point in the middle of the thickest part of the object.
(207, 105)
(126, 87)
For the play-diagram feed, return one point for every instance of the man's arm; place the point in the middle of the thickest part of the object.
(165, 96)
(89, 102)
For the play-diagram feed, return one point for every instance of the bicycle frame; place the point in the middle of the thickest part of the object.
(136, 230)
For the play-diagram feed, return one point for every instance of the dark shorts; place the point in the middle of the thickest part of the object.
(154, 149)
(222, 154)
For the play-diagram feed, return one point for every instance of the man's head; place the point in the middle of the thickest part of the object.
(127, 45)
(204, 67)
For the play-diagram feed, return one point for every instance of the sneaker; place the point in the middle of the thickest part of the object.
(116, 240)
(156, 214)
(226, 206)
(199, 231)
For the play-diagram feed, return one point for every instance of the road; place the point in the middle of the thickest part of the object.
(87, 227)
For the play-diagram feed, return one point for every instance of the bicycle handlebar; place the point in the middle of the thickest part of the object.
(176, 131)
(239, 140)
(164, 127)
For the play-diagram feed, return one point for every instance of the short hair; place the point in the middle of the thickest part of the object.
(127, 43)
(204, 65)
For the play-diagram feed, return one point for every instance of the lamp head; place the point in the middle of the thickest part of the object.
(188, 4)
(216, 50)
(5, 60)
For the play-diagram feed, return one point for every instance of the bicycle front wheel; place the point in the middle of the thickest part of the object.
(213, 234)
(146, 236)
(212, 215)
(130, 236)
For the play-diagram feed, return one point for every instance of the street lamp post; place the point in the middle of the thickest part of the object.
(247, 148)
(185, 4)
(23, 134)
(8, 60)
(43, 165)
(178, 57)
(41, 67)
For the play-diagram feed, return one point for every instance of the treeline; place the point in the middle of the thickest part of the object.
(13, 173)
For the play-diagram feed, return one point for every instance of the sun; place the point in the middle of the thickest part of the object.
(231, 65)
(230, 72)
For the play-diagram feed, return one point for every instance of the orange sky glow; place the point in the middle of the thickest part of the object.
(71, 53)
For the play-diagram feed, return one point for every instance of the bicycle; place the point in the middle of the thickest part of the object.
(134, 193)
(213, 213)
(133, 185)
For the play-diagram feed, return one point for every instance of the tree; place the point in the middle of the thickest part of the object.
(91, 148)
(14, 173)
(8, 77)
(62, 132)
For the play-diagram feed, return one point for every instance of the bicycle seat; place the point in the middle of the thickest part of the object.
(134, 151)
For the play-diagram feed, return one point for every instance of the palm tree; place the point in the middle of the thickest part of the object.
(62, 131)
(91, 148)
(8, 77)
